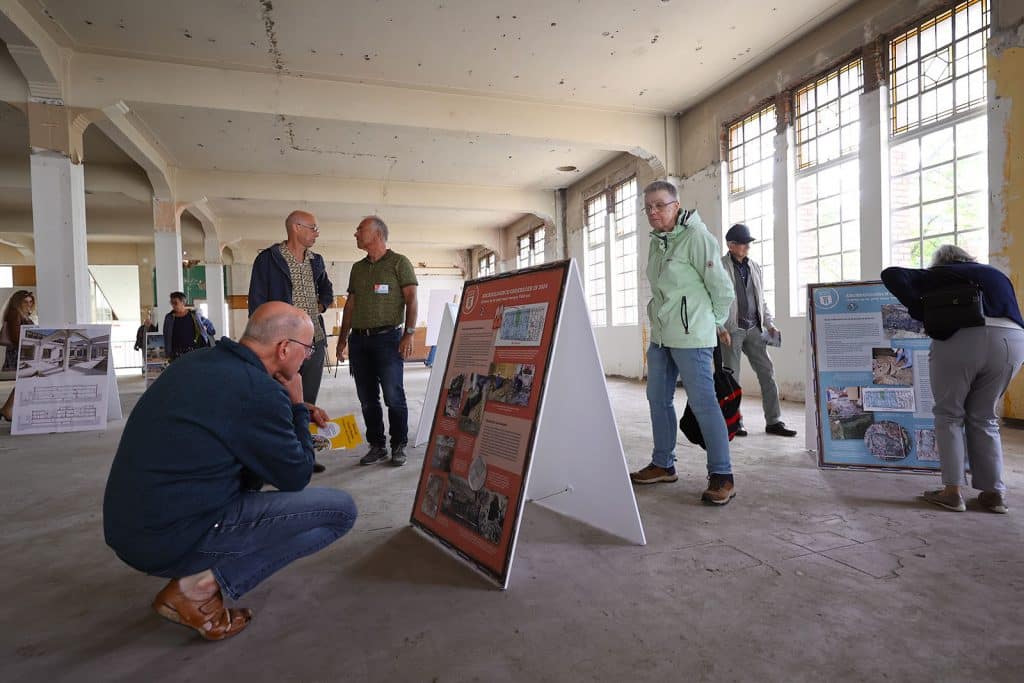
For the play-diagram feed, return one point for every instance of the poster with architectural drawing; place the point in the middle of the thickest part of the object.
(64, 381)
(873, 391)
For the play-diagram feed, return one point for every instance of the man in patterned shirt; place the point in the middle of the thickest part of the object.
(290, 272)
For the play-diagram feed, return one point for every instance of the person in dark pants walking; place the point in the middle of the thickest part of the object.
(381, 296)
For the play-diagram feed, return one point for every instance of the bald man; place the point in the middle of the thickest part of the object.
(290, 272)
(184, 500)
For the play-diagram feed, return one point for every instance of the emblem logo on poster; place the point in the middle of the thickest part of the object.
(826, 298)
(472, 294)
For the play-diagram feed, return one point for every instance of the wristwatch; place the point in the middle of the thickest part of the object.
(410, 330)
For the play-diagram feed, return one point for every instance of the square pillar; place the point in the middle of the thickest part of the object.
(166, 251)
(58, 227)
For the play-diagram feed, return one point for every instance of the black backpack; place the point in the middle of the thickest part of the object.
(952, 307)
(729, 394)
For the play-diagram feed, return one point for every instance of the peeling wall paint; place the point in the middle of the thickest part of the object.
(1006, 76)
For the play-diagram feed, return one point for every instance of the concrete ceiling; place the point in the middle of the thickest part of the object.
(450, 118)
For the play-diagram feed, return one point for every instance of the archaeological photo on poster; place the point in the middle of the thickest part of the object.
(470, 492)
(874, 397)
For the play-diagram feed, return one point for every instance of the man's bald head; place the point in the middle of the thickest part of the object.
(275, 321)
(299, 217)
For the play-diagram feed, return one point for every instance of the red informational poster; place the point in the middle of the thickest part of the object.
(471, 489)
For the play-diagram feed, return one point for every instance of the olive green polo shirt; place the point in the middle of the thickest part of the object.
(377, 288)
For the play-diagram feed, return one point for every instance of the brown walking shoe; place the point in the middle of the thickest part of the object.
(652, 474)
(720, 491)
(954, 502)
(993, 501)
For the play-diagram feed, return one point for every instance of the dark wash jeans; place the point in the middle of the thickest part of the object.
(264, 531)
(312, 372)
(376, 365)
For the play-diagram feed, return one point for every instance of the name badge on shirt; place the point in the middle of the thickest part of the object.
(381, 289)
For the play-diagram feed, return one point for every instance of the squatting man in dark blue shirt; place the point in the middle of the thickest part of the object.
(184, 499)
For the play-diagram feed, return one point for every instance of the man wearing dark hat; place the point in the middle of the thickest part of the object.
(748, 317)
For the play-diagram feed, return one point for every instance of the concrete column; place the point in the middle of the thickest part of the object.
(786, 304)
(215, 285)
(874, 184)
(58, 226)
(166, 250)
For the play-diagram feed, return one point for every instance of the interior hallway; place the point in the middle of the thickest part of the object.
(807, 575)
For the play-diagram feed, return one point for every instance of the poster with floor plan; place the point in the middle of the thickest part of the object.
(64, 380)
(871, 380)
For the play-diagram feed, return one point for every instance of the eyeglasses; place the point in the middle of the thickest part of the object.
(315, 228)
(309, 349)
(659, 207)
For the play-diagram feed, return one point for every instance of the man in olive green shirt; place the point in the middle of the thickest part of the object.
(381, 296)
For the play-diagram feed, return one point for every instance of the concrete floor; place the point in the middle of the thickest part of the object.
(807, 575)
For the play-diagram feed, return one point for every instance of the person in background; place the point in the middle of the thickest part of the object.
(145, 328)
(185, 330)
(970, 372)
(18, 312)
(741, 333)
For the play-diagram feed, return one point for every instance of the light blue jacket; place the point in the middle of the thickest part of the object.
(690, 291)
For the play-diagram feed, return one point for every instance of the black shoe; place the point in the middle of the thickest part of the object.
(318, 468)
(374, 455)
(780, 429)
(741, 432)
(398, 456)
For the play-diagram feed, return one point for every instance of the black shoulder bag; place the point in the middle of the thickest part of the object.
(952, 307)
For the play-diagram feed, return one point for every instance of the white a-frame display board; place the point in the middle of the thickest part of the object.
(443, 343)
(523, 415)
(65, 380)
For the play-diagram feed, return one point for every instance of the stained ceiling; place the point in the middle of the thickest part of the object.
(446, 116)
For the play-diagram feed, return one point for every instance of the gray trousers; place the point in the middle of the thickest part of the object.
(750, 343)
(970, 372)
(312, 371)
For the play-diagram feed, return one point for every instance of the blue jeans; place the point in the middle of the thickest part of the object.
(263, 531)
(376, 365)
(695, 368)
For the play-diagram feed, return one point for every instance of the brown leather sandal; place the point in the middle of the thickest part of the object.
(209, 617)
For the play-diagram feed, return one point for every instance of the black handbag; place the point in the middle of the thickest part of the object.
(729, 395)
(952, 307)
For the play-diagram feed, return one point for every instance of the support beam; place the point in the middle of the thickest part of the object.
(123, 129)
(41, 60)
(98, 81)
(195, 185)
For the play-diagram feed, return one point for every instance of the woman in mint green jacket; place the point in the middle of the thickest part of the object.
(690, 299)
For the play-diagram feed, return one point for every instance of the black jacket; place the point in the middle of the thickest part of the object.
(909, 284)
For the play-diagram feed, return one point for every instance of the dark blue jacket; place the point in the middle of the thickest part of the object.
(212, 422)
(997, 295)
(204, 329)
(272, 281)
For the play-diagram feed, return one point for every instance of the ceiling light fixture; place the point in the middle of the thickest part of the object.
(567, 169)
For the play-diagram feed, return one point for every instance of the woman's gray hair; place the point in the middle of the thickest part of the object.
(659, 185)
(950, 253)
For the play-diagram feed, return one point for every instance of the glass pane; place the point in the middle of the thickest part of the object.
(938, 217)
(971, 211)
(807, 244)
(937, 147)
(937, 182)
(851, 266)
(972, 136)
(905, 190)
(971, 173)
(905, 157)
(906, 224)
(829, 240)
(975, 243)
(831, 268)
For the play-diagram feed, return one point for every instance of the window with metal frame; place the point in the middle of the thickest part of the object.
(530, 248)
(938, 146)
(827, 132)
(610, 250)
(751, 154)
(486, 265)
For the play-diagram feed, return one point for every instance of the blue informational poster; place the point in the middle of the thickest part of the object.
(872, 386)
